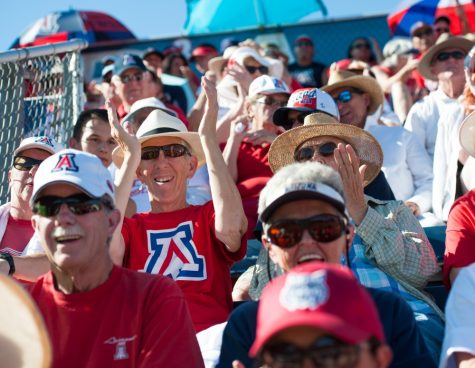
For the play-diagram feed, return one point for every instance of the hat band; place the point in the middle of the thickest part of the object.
(160, 131)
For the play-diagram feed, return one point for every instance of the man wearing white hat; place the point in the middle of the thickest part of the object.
(98, 314)
(15, 216)
(442, 63)
(195, 245)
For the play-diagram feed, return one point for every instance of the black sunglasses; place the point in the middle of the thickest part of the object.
(361, 46)
(444, 56)
(252, 69)
(79, 204)
(137, 77)
(307, 153)
(24, 163)
(426, 32)
(326, 351)
(269, 101)
(322, 228)
(169, 150)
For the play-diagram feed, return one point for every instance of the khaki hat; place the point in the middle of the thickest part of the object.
(24, 338)
(344, 78)
(281, 152)
(467, 134)
(160, 124)
(445, 41)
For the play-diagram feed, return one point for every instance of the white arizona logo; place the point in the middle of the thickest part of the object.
(120, 346)
(304, 291)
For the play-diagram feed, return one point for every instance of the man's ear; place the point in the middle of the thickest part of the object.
(34, 223)
(113, 220)
(73, 143)
(367, 99)
(9, 177)
(193, 166)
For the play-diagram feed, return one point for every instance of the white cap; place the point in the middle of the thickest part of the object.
(80, 169)
(265, 85)
(41, 142)
(147, 102)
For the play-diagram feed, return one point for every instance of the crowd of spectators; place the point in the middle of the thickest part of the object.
(336, 170)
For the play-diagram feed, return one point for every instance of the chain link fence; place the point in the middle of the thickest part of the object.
(40, 94)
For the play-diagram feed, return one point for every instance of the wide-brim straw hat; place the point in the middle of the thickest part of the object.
(281, 152)
(467, 134)
(344, 78)
(159, 124)
(445, 41)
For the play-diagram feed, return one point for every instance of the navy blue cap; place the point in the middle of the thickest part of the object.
(128, 61)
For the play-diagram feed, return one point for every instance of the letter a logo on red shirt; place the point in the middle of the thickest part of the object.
(66, 163)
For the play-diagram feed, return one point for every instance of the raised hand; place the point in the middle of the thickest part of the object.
(208, 123)
(127, 142)
(352, 176)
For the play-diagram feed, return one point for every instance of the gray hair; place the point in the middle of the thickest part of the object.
(313, 172)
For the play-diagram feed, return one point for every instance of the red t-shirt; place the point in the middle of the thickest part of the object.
(460, 235)
(17, 235)
(182, 244)
(131, 320)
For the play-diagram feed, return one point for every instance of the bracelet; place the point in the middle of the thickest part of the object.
(8, 257)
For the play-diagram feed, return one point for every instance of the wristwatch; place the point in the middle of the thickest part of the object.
(8, 257)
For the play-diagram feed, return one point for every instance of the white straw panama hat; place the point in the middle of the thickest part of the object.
(24, 340)
(445, 41)
(344, 78)
(81, 169)
(160, 124)
(281, 152)
(467, 134)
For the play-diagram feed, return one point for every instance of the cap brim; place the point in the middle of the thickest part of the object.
(191, 138)
(281, 115)
(281, 152)
(467, 134)
(366, 84)
(327, 322)
(295, 196)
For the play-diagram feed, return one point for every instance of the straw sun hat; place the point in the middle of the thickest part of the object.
(281, 152)
(345, 79)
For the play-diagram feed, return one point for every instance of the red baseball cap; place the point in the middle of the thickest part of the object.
(321, 295)
(203, 51)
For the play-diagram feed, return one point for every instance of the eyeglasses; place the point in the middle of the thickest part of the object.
(297, 121)
(307, 153)
(79, 204)
(304, 44)
(326, 352)
(269, 101)
(361, 46)
(346, 95)
(322, 228)
(252, 69)
(444, 56)
(425, 32)
(169, 150)
(137, 77)
(24, 163)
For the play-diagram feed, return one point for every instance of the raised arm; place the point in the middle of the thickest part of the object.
(230, 221)
(125, 176)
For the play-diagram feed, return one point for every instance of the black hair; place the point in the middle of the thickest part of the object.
(86, 116)
(168, 61)
(442, 18)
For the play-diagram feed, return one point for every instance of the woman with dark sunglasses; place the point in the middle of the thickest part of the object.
(364, 49)
(304, 212)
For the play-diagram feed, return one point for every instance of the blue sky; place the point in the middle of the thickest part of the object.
(147, 18)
